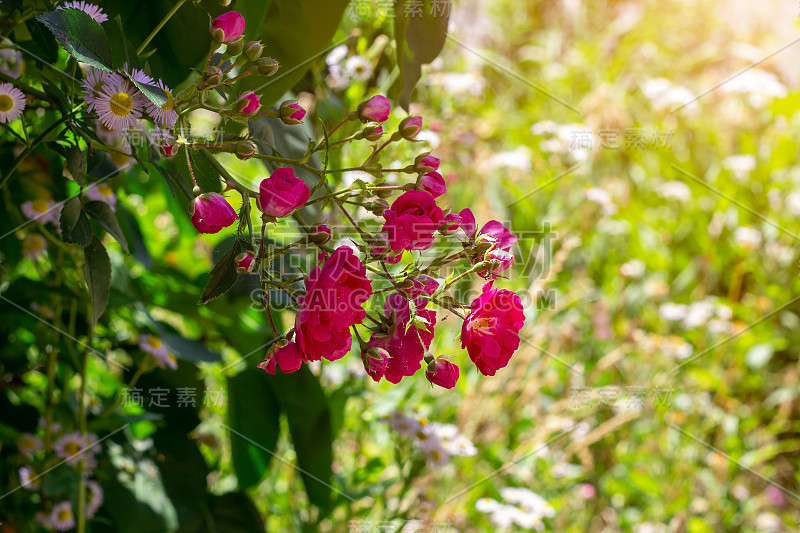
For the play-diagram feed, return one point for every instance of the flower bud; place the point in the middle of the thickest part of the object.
(376, 109)
(451, 224)
(211, 212)
(218, 34)
(267, 66)
(410, 127)
(426, 163)
(432, 182)
(245, 262)
(372, 131)
(321, 234)
(377, 206)
(253, 50)
(245, 149)
(230, 24)
(211, 76)
(235, 48)
(442, 373)
(248, 103)
(375, 361)
(292, 113)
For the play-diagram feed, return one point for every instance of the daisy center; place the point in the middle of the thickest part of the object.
(40, 206)
(72, 448)
(6, 103)
(170, 103)
(105, 190)
(121, 104)
(64, 515)
(155, 342)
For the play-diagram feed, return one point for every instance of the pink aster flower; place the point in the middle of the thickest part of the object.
(412, 220)
(490, 332)
(232, 25)
(212, 212)
(335, 293)
(61, 517)
(90, 9)
(34, 246)
(102, 193)
(92, 83)
(166, 115)
(444, 373)
(12, 103)
(94, 498)
(156, 347)
(42, 211)
(376, 109)
(74, 447)
(119, 103)
(140, 76)
(282, 193)
(433, 182)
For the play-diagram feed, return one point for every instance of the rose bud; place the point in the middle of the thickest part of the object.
(248, 103)
(245, 149)
(433, 182)
(452, 222)
(287, 355)
(410, 127)
(426, 162)
(321, 234)
(212, 212)
(211, 76)
(282, 193)
(442, 373)
(245, 262)
(375, 361)
(267, 66)
(169, 150)
(235, 48)
(376, 109)
(292, 113)
(252, 50)
(231, 24)
(268, 365)
(371, 132)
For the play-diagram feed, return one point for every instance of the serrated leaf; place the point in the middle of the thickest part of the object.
(74, 225)
(97, 272)
(155, 94)
(80, 35)
(102, 213)
(223, 276)
(206, 175)
(76, 164)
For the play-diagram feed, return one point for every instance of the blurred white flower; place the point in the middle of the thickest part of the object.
(747, 237)
(698, 313)
(767, 522)
(793, 202)
(459, 83)
(517, 159)
(544, 127)
(431, 137)
(673, 311)
(359, 68)
(740, 165)
(719, 326)
(11, 63)
(337, 55)
(649, 527)
(102, 193)
(632, 269)
(404, 425)
(674, 190)
(602, 198)
(666, 96)
(759, 86)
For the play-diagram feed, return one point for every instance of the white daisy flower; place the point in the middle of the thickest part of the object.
(337, 55)
(29, 444)
(632, 269)
(487, 505)
(27, 478)
(33, 246)
(165, 116)
(73, 447)
(156, 348)
(358, 68)
(93, 81)
(119, 103)
(12, 102)
(43, 211)
(102, 193)
(90, 9)
(434, 452)
(672, 311)
(94, 498)
(747, 237)
(11, 63)
(460, 445)
(61, 517)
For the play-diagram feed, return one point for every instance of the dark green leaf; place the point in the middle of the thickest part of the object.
(183, 470)
(97, 271)
(80, 35)
(42, 47)
(76, 164)
(233, 512)
(173, 178)
(102, 213)
(153, 93)
(206, 175)
(253, 415)
(223, 276)
(75, 226)
(187, 348)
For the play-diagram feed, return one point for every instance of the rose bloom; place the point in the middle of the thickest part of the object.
(335, 293)
(433, 182)
(376, 109)
(282, 193)
(412, 220)
(490, 332)
(232, 25)
(445, 374)
(211, 212)
(501, 240)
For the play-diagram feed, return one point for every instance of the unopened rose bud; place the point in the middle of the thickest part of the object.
(292, 113)
(211, 76)
(375, 361)
(443, 373)
(376, 109)
(235, 48)
(372, 131)
(218, 34)
(248, 103)
(410, 127)
(377, 206)
(245, 149)
(267, 66)
(224, 3)
(253, 50)
(426, 163)
(244, 262)
(231, 24)
(321, 234)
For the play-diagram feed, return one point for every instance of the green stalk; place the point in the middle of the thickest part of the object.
(161, 24)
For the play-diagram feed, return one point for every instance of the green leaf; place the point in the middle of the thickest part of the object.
(183, 470)
(419, 39)
(233, 512)
(306, 407)
(75, 226)
(153, 93)
(206, 175)
(97, 271)
(80, 35)
(253, 416)
(298, 33)
(189, 349)
(223, 275)
(102, 213)
(76, 164)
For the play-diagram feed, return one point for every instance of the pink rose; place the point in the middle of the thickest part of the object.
(433, 182)
(335, 293)
(287, 356)
(250, 102)
(410, 127)
(406, 345)
(501, 241)
(451, 224)
(282, 193)
(292, 113)
(444, 373)
(412, 220)
(426, 162)
(231, 24)
(490, 332)
(376, 109)
(211, 212)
